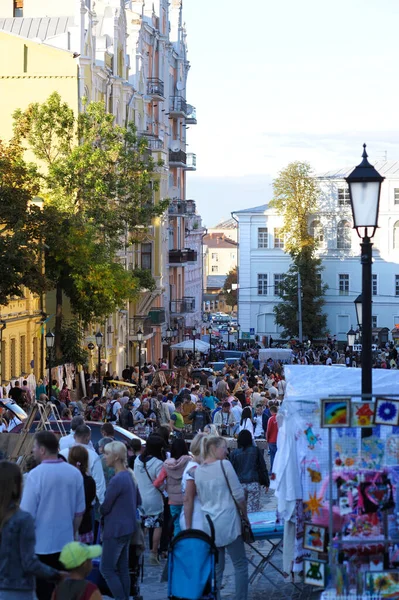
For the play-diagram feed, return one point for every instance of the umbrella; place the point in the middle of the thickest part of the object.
(200, 346)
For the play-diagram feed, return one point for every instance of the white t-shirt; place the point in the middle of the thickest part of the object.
(115, 407)
(237, 412)
(198, 517)
(258, 426)
(247, 425)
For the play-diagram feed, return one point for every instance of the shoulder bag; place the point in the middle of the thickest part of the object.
(246, 531)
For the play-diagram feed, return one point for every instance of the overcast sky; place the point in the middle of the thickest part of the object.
(282, 80)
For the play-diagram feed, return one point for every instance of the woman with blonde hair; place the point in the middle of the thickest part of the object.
(211, 429)
(119, 513)
(79, 457)
(19, 565)
(222, 496)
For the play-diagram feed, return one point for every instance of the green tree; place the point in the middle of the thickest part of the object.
(296, 193)
(98, 182)
(229, 293)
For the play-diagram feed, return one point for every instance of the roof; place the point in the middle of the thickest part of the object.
(219, 240)
(215, 281)
(42, 28)
(227, 224)
(255, 209)
(387, 168)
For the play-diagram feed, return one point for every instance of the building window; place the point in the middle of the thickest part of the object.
(343, 284)
(396, 195)
(278, 238)
(215, 256)
(374, 321)
(22, 342)
(396, 285)
(36, 357)
(215, 269)
(316, 231)
(343, 236)
(262, 284)
(13, 345)
(3, 359)
(396, 235)
(18, 8)
(375, 284)
(263, 241)
(343, 196)
(146, 256)
(278, 280)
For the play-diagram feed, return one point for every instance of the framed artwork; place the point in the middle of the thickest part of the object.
(315, 537)
(314, 572)
(335, 412)
(363, 414)
(386, 412)
(384, 584)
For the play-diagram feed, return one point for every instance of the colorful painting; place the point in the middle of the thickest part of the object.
(384, 584)
(386, 412)
(314, 538)
(335, 412)
(363, 414)
(372, 453)
(314, 572)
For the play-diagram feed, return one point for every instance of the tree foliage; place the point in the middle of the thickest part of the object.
(295, 198)
(231, 296)
(72, 343)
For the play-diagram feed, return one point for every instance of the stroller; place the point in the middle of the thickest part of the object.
(191, 567)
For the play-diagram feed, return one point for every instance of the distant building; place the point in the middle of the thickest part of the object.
(220, 257)
(263, 262)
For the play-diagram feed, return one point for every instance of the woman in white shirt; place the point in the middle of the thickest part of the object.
(191, 517)
(246, 420)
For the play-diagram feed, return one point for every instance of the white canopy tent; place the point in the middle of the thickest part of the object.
(200, 346)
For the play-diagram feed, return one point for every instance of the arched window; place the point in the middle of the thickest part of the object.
(344, 235)
(316, 231)
(396, 235)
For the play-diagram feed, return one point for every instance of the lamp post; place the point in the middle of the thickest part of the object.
(99, 342)
(228, 337)
(351, 337)
(139, 337)
(364, 189)
(3, 325)
(169, 334)
(238, 335)
(50, 337)
(209, 330)
(194, 330)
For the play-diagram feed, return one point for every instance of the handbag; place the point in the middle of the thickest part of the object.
(246, 531)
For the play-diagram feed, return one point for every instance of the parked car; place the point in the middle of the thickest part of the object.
(8, 404)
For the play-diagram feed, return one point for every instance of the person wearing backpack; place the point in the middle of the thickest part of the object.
(113, 409)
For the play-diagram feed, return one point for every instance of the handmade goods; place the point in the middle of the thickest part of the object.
(314, 572)
(335, 412)
(386, 412)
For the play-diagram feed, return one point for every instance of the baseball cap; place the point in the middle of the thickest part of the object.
(74, 554)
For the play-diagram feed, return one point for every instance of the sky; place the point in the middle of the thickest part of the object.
(275, 81)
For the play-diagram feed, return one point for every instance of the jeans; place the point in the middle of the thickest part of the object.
(239, 559)
(115, 566)
(273, 450)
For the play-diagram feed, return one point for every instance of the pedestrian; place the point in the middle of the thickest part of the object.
(146, 469)
(271, 434)
(214, 478)
(79, 457)
(176, 419)
(199, 417)
(65, 395)
(120, 522)
(67, 441)
(19, 564)
(191, 517)
(54, 496)
(246, 420)
(258, 421)
(171, 474)
(126, 416)
(76, 559)
(224, 419)
(250, 466)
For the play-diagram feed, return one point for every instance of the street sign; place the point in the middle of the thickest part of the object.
(252, 331)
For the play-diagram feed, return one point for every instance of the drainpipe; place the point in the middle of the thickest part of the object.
(202, 272)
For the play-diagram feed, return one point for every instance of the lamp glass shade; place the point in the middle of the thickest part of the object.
(50, 338)
(351, 335)
(210, 330)
(139, 335)
(99, 339)
(168, 332)
(194, 331)
(359, 310)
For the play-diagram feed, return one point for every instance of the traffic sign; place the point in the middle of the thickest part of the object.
(252, 331)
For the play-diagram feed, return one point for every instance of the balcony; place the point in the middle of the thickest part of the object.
(153, 142)
(181, 207)
(155, 88)
(191, 115)
(177, 257)
(177, 107)
(191, 162)
(143, 323)
(191, 255)
(177, 159)
(179, 307)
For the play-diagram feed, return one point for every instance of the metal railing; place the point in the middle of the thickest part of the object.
(177, 105)
(185, 305)
(178, 157)
(155, 87)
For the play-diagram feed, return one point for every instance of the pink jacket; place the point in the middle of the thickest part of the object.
(172, 471)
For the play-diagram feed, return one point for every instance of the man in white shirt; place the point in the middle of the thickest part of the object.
(69, 440)
(258, 422)
(82, 438)
(236, 411)
(54, 495)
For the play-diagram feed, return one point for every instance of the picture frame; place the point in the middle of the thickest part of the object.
(315, 537)
(335, 412)
(362, 414)
(314, 572)
(386, 412)
(384, 584)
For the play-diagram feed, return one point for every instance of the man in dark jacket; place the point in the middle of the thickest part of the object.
(126, 416)
(199, 417)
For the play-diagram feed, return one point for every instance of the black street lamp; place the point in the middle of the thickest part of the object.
(364, 189)
(209, 330)
(358, 307)
(3, 325)
(169, 334)
(229, 329)
(99, 342)
(238, 335)
(194, 331)
(139, 337)
(50, 337)
(351, 337)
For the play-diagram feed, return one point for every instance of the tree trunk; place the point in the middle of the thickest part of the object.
(58, 323)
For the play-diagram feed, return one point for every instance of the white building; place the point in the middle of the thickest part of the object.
(262, 260)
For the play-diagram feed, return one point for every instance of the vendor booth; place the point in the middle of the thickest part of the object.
(336, 477)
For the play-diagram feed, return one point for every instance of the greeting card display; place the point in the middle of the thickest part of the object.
(335, 412)
(386, 412)
(384, 584)
(363, 414)
(314, 572)
(315, 537)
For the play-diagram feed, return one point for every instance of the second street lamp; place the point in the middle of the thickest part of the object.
(169, 334)
(194, 335)
(351, 336)
(139, 337)
(364, 189)
(50, 337)
(238, 335)
(210, 341)
(99, 342)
